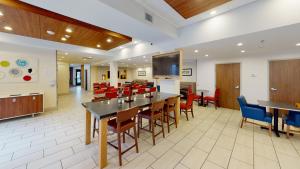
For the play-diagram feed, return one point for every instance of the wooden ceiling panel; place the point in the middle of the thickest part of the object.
(190, 8)
(28, 20)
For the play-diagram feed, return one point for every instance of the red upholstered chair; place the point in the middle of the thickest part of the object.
(151, 90)
(100, 91)
(187, 106)
(141, 90)
(111, 95)
(112, 90)
(213, 99)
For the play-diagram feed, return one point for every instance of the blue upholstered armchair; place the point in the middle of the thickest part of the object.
(292, 119)
(254, 112)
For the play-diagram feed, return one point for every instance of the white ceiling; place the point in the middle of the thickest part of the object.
(162, 9)
(276, 41)
(75, 58)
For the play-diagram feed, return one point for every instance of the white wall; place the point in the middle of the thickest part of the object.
(192, 78)
(63, 78)
(148, 74)
(254, 80)
(46, 74)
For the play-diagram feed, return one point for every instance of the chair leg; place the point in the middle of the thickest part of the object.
(270, 129)
(153, 135)
(282, 124)
(123, 137)
(288, 131)
(192, 112)
(94, 127)
(186, 114)
(135, 139)
(242, 122)
(215, 105)
(149, 124)
(168, 122)
(175, 119)
(162, 125)
(120, 149)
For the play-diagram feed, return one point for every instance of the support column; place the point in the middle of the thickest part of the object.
(113, 66)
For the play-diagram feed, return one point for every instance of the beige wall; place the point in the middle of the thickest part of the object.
(63, 78)
(46, 73)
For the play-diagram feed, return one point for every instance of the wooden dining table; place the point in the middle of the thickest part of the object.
(103, 110)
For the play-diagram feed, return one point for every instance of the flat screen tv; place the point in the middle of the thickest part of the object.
(166, 65)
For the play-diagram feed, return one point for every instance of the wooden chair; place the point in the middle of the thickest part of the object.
(125, 121)
(213, 99)
(187, 106)
(170, 107)
(153, 114)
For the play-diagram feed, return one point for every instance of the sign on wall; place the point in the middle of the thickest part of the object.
(18, 69)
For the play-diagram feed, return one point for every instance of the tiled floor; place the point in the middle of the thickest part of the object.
(212, 140)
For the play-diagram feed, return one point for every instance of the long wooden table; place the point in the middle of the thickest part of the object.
(277, 106)
(108, 108)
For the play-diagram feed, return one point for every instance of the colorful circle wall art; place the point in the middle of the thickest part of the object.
(15, 72)
(2, 75)
(27, 78)
(4, 63)
(22, 63)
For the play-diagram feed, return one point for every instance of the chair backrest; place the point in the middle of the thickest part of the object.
(153, 89)
(141, 91)
(111, 95)
(190, 89)
(157, 107)
(171, 104)
(242, 101)
(190, 99)
(125, 115)
(217, 93)
(126, 92)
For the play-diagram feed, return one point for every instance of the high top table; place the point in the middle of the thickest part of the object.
(277, 106)
(108, 108)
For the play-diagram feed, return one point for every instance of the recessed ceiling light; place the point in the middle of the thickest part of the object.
(90, 57)
(62, 57)
(67, 36)
(69, 30)
(213, 12)
(84, 58)
(50, 32)
(240, 44)
(121, 47)
(144, 56)
(196, 51)
(128, 59)
(108, 40)
(206, 55)
(66, 53)
(98, 46)
(135, 42)
(1, 13)
(298, 44)
(64, 39)
(243, 51)
(8, 28)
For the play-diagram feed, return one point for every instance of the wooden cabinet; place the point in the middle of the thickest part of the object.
(20, 105)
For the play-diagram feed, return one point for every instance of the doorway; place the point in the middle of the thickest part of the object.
(78, 77)
(228, 81)
(284, 81)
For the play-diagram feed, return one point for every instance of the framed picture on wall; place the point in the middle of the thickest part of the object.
(141, 73)
(186, 72)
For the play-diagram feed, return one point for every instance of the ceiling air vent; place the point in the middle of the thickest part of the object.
(148, 17)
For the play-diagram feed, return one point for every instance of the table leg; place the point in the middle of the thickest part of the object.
(202, 99)
(102, 143)
(177, 110)
(87, 127)
(276, 122)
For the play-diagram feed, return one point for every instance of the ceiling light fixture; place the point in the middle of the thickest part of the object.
(98, 46)
(121, 47)
(144, 56)
(206, 55)
(108, 40)
(298, 44)
(135, 42)
(90, 57)
(50, 32)
(62, 57)
(243, 51)
(128, 59)
(69, 30)
(8, 28)
(240, 44)
(67, 36)
(213, 12)
(66, 53)
(196, 51)
(64, 39)
(1, 13)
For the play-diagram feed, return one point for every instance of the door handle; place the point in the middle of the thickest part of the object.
(273, 89)
(237, 87)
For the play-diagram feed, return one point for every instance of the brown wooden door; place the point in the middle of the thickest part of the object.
(285, 81)
(228, 81)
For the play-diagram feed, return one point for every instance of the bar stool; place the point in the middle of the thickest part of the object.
(153, 114)
(124, 121)
(170, 107)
